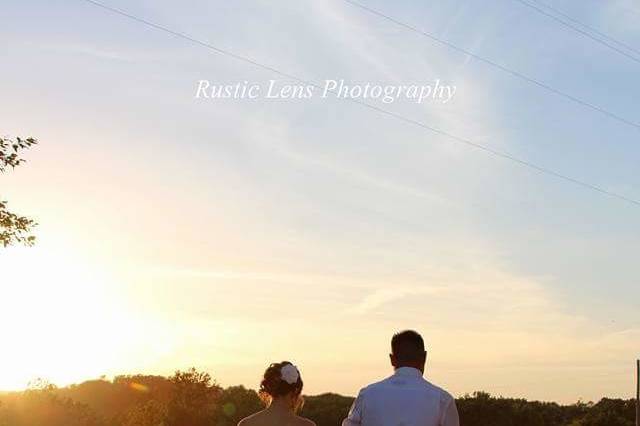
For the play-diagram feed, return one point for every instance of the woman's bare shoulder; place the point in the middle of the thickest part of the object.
(252, 420)
(258, 419)
(301, 421)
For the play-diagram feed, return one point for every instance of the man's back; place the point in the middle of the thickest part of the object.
(404, 399)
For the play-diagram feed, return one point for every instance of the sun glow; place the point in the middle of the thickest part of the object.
(58, 320)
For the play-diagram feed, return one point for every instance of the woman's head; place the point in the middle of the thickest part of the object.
(281, 380)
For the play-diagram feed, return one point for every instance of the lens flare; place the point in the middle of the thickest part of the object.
(139, 387)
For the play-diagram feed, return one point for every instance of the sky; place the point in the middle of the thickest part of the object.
(226, 234)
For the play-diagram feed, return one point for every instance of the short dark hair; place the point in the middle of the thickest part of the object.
(407, 346)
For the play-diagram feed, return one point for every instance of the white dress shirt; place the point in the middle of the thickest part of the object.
(404, 399)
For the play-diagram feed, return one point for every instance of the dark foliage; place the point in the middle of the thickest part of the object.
(481, 409)
(42, 406)
(327, 409)
(611, 412)
(192, 398)
(236, 403)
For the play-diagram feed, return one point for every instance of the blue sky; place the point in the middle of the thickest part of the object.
(228, 224)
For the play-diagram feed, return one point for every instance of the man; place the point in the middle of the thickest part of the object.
(406, 398)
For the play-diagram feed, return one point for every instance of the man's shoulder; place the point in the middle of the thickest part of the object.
(423, 384)
(441, 391)
(373, 386)
(381, 386)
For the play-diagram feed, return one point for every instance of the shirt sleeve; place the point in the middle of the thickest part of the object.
(355, 413)
(451, 417)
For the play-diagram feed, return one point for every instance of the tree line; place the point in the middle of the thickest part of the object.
(193, 398)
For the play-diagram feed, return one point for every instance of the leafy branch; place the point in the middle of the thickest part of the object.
(14, 229)
(9, 151)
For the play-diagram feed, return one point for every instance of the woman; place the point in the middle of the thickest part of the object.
(281, 390)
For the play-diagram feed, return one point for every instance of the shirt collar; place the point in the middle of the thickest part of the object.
(408, 372)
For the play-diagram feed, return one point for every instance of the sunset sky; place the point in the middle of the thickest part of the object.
(228, 234)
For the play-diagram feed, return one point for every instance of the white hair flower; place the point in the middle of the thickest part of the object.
(290, 374)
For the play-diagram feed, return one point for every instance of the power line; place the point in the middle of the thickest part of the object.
(574, 28)
(497, 65)
(397, 116)
(593, 30)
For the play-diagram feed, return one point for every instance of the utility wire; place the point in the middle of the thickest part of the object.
(497, 65)
(574, 28)
(593, 30)
(397, 116)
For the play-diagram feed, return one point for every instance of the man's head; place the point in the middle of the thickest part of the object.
(407, 350)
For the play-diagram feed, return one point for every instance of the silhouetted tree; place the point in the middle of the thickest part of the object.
(610, 412)
(14, 228)
(41, 406)
(151, 413)
(236, 403)
(482, 409)
(327, 409)
(193, 400)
